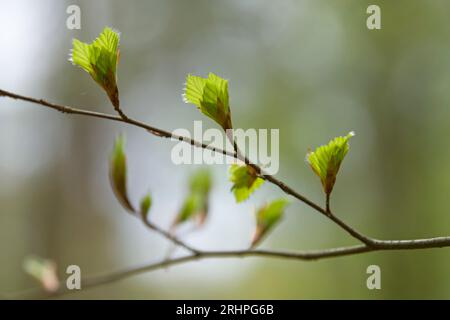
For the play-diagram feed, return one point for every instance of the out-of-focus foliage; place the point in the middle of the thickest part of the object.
(311, 69)
(210, 95)
(196, 203)
(145, 206)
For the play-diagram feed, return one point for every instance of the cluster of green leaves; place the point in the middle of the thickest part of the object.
(196, 204)
(100, 59)
(326, 160)
(210, 96)
(118, 178)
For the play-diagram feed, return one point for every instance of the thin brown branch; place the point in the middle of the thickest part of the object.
(111, 277)
(163, 133)
(339, 222)
(169, 236)
(369, 244)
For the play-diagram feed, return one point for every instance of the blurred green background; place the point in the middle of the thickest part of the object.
(310, 68)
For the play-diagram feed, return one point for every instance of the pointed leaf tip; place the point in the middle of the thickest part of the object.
(326, 160)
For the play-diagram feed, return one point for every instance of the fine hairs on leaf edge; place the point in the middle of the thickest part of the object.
(100, 59)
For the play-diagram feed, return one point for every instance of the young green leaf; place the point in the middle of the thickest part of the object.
(146, 203)
(118, 174)
(210, 95)
(267, 217)
(326, 160)
(245, 181)
(100, 59)
(196, 204)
